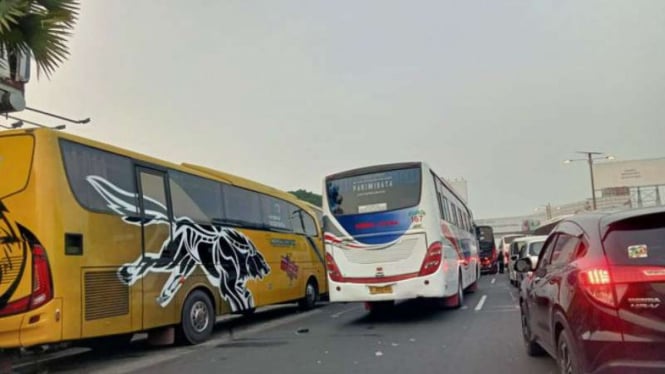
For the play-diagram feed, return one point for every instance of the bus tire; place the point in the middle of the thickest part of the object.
(456, 301)
(311, 295)
(473, 287)
(197, 320)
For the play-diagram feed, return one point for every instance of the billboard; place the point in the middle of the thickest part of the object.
(629, 173)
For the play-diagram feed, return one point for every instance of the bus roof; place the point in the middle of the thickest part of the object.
(198, 170)
(374, 169)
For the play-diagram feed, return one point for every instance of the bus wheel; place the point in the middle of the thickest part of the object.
(456, 301)
(198, 319)
(474, 286)
(311, 295)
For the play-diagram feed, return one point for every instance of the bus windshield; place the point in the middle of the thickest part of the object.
(375, 192)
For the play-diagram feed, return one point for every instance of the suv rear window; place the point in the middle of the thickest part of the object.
(637, 241)
(376, 192)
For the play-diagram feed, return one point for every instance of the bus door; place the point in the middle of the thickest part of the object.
(159, 253)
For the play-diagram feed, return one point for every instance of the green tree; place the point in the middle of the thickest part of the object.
(38, 28)
(308, 196)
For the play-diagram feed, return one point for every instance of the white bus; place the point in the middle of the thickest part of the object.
(396, 232)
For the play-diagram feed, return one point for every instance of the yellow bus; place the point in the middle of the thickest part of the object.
(97, 242)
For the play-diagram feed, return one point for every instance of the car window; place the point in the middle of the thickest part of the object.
(546, 252)
(535, 248)
(638, 241)
(564, 249)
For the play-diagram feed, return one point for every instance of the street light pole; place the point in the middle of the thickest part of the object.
(589, 159)
(593, 187)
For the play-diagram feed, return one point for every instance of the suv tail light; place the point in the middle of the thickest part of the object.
(42, 286)
(432, 259)
(597, 283)
(333, 270)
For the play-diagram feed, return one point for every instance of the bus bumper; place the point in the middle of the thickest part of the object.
(428, 286)
(38, 326)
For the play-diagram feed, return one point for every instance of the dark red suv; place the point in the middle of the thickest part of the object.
(596, 299)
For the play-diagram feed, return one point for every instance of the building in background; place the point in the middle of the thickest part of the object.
(619, 185)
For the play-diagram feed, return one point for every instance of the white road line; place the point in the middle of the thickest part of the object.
(480, 303)
(336, 315)
(493, 280)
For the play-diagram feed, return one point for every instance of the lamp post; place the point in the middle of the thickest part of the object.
(590, 157)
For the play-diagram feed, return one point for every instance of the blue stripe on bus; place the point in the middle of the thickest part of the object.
(377, 228)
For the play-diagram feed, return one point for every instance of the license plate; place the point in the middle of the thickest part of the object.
(380, 290)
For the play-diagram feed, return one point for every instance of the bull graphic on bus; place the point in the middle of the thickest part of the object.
(226, 256)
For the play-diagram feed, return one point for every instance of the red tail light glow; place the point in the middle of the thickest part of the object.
(18, 306)
(432, 259)
(42, 289)
(598, 285)
(333, 270)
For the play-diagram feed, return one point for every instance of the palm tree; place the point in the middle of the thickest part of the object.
(38, 28)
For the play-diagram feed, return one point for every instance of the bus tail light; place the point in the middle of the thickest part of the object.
(18, 306)
(598, 285)
(432, 259)
(333, 270)
(42, 288)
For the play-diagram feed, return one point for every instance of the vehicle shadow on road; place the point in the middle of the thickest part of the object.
(417, 310)
(76, 357)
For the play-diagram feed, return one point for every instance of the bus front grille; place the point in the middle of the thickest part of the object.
(105, 295)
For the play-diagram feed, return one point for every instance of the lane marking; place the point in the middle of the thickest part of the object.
(336, 315)
(493, 280)
(480, 303)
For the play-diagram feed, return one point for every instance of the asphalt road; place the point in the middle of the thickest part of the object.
(482, 337)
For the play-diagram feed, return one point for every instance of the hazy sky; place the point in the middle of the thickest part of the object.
(286, 92)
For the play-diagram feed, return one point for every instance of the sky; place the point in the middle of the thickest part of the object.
(286, 92)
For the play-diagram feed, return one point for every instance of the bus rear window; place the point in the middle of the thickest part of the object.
(638, 241)
(376, 192)
(15, 162)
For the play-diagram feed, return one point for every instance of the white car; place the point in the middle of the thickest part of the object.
(503, 245)
(513, 255)
(530, 248)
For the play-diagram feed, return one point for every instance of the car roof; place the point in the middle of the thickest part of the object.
(597, 222)
(536, 238)
(622, 215)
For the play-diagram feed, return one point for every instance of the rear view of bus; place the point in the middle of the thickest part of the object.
(383, 235)
(28, 311)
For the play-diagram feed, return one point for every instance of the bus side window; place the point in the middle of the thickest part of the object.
(295, 216)
(440, 201)
(310, 225)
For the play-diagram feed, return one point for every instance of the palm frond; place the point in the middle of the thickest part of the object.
(40, 28)
(10, 11)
